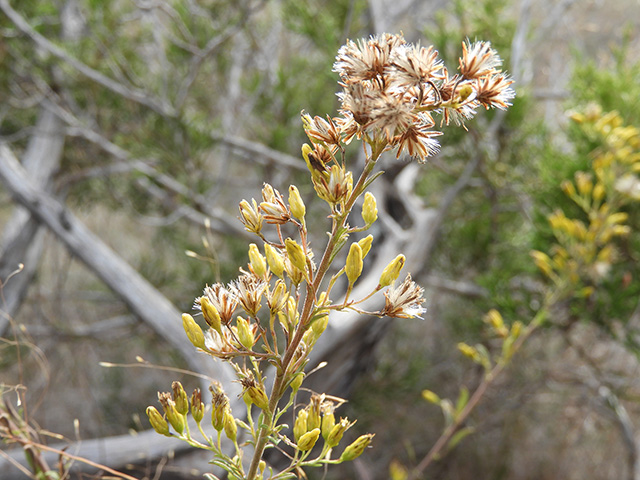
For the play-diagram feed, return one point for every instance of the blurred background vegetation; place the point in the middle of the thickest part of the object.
(172, 112)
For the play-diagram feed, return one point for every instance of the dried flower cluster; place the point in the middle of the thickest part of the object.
(392, 89)
(275, 311)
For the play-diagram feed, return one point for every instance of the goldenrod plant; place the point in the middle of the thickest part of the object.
(576, 264)
(276, 310)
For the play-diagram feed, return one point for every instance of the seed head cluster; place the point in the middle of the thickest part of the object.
(392, 89)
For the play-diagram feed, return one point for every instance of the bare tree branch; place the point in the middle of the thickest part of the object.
(128, 92)
(22, 239)
(141, 297)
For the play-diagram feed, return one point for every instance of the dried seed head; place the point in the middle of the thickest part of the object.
(248, 290)
(273, 207)
(478, 60)
(405, 301)
(321, 131)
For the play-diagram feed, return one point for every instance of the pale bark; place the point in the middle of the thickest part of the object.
(22, 237)
(147, 303)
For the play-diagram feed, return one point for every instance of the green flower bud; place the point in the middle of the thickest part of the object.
(392, 271)
(250, 216)
(313, 419)
(210, 314)
(230, 427)
(297, 381)
(277, 297)
(220, 403)
(300, 425)
(193, 330)
(157, 421)
(308, 440)
(369, 209)
(365, 244)
(245, 335)
(197, 407)
(180, 398)
(320, 325)
(258, 263)
(296, 254)
(353, 267)
(275, 260)
(354, 450)
(295, 203)
(328, 422)
(176, 420)
(257, 396)
(336, 433)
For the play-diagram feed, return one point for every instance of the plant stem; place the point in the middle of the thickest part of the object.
(311, 294)
(488, 379)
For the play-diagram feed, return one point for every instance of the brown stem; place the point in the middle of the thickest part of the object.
(311, 294)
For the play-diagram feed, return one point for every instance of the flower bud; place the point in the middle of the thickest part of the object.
(258, 263)
(336, 433)
(277, 297)
(275, 260)
(296, 254)
(392, 271)
(328, 422)
(320, 325)
(353, 268)
(356, 448)
(295, 203)
(494, 319)
(464, 92)
(300, 425)
(180, 398)
(369, 209)
(308, 440)
(245, 335)
(250, 216)
(193, 331)
(173, 416)
(157, 421)
(313, 419)
(257, 396)
(431, 397)
(297, 381)
(210, 314)
(197, 407)
(230, 427)
(220, 403)
(309, 338)
(365, 244)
